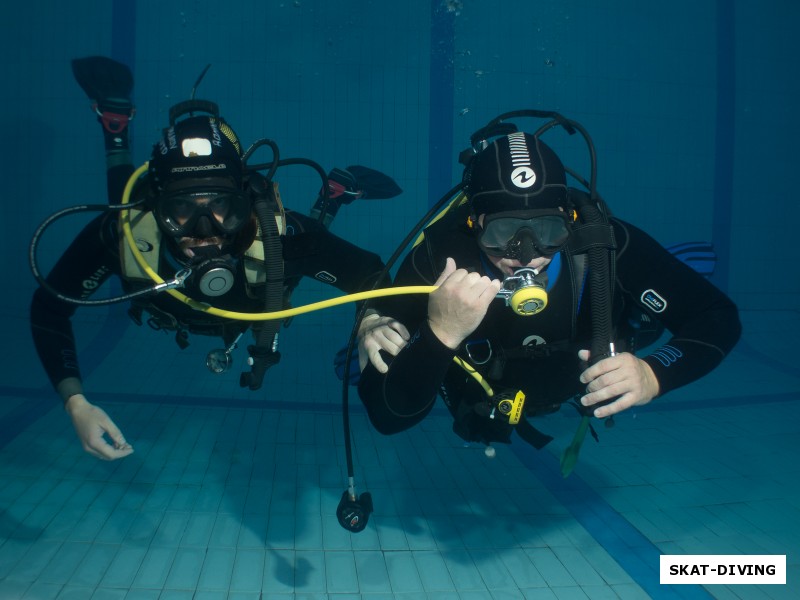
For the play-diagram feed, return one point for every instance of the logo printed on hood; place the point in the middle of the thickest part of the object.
(195, 168)
(523, 175)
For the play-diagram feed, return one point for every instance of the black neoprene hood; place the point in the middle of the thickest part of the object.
(196, 148)
(515, 172)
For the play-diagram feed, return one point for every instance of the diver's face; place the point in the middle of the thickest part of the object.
(202, 217)
(508, 266)
(213, 210)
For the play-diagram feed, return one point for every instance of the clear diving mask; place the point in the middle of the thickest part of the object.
(524, 235)
(203, 213)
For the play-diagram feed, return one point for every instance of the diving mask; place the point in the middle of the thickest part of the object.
(203, 214)
(524, 235)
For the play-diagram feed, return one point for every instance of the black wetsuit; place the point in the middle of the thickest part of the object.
(309, 250)
(538, 354)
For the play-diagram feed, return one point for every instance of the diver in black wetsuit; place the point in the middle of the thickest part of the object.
(518, 211)
(200, 209)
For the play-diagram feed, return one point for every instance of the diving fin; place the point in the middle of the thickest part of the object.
(374, 184)
(346, 185)
(108, 84)
(339, 366)
(570, 456)
(103, 78)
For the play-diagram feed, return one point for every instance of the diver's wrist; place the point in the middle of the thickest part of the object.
(69, 387)
(74, 402)
(446, 338)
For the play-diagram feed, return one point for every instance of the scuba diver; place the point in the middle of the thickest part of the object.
(206, 221)
(540, 300)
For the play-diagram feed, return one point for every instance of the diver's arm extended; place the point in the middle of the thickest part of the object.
(84, 266)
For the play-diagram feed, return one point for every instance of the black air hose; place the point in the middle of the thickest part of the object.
(264, 352)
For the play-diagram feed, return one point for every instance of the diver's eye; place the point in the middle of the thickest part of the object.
(182, 210)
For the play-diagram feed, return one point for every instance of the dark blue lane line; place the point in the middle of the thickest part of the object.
(123, 32)
(123, 49)
(36, 395)
(39, 401)
(442, 100)
(725, 140)
(636, 554)
(756, 355)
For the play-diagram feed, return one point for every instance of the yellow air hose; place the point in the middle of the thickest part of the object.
(280, 314)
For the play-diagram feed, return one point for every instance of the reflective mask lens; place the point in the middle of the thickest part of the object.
(181, 214)
(504, 233)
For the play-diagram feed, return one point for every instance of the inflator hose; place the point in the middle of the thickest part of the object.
(599, 290)
(264, 353)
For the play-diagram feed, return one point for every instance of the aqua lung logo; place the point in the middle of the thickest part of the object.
(667, 355)
(69, 360)
(144, 245)
(168, 142)
(523, 176)
(653, 301)
(533, 340)
(91, 283)
(326, 277)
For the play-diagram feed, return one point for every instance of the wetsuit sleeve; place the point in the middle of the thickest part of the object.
(88, 262)
(312, 251)
(401, 398)
(703, 321)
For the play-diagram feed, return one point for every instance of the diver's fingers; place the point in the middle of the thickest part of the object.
(377, 361)
(393, 340)
(98, 444)
(449, 269)
(401, 330)
(623, 378)
(489, 293)
(116, 436)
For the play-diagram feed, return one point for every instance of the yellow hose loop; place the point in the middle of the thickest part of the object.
(475, 375)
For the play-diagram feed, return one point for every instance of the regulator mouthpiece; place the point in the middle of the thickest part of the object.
(525, 294)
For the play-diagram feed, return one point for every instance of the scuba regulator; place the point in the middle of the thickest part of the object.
(523, 292)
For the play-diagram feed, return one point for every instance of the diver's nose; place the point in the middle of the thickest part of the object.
(203, 228)
(527, 250)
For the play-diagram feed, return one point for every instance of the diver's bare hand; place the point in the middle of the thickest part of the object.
(459, 304)
(92, 424)
(378, 333)
(625, 377)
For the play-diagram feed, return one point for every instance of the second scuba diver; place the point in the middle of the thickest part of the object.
(518, 227)
(203, 218)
